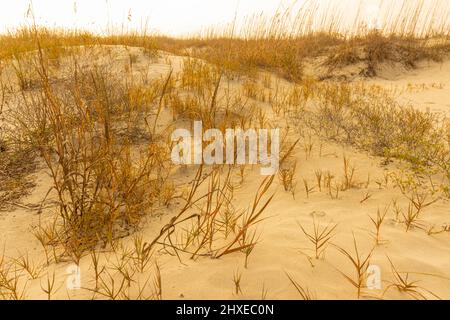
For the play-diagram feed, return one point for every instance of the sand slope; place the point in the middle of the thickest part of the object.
(283, 248)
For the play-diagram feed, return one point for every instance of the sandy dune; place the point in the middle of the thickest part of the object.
(282, 248)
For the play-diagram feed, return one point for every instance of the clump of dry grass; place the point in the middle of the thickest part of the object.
(377, 222)
(375, 49)
(55, 41)
(320, 237)
(369, 118)
(283, 42)
(308, 188)
(25, 263)
(125, 273)
(100, 138)
(237, 278)
(349, 175)
(360, 264)
(11, 282)
(103, 181)
(16, 167)
(280, 43)
(287, 177)
(403, 284)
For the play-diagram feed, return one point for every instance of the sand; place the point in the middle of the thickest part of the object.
(282, 248)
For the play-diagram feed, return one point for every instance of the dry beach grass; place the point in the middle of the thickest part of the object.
(86, 177)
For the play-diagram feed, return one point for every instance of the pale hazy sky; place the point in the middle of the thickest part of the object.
(172, 17)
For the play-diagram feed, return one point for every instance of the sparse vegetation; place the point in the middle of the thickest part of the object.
(320, 237)
(360, 265)
(85, 129)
